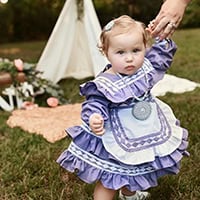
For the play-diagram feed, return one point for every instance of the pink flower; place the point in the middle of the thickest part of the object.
(19, 64)
(52, 102)
(28, 105)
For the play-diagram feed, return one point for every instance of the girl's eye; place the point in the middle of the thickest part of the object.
(135, 50)
(120, 52)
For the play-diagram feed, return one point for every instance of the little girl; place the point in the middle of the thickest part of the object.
(128, 138)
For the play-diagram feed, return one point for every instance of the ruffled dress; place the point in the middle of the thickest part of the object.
(132, 152)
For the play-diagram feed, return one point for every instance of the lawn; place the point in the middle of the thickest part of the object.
(28, 168)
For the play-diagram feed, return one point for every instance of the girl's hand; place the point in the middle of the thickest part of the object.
(96, 124)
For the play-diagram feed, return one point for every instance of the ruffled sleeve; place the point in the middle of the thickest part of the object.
(161, 54)
(95, 102)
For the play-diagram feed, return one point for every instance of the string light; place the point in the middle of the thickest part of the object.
(4, 1)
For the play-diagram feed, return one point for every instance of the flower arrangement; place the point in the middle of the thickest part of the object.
(32, 76)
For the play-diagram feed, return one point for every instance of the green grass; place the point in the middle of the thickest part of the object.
(27, 51)
(28, 169)
(186, 62)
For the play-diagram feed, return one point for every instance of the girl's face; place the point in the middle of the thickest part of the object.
(126, 52)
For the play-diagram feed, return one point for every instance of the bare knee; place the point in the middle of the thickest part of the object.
(100, 192)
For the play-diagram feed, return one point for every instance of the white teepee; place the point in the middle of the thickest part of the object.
(71, 50)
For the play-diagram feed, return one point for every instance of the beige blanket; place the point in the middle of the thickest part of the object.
(48, 122)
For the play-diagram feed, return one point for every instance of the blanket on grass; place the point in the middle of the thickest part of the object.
(48, 122)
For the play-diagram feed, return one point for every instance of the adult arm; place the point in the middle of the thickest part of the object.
(169, 18)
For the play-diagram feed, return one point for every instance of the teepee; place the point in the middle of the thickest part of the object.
(71, 50)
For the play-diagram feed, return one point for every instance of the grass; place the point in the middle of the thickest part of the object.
(27, 51)
(186, 62)
(28, 168)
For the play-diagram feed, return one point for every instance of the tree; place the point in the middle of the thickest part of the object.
(35, 19)
(192, 15)
(28, 19)
(142, 10)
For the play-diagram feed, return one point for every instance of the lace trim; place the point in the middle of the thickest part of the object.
(117, 86)
(107, 166)
(137, 144)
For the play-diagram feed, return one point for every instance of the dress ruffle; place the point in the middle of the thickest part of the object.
(91, 162)
(114, 88)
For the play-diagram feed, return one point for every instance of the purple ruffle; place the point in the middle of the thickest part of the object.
(139, 87)
(88, 173)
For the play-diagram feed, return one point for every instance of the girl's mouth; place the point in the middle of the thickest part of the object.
(131, 67)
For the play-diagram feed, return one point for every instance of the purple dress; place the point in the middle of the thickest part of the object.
(133, 152)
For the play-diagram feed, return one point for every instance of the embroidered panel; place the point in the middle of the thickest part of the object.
(108, 166)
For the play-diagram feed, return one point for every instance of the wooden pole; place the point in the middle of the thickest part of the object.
(6, 79)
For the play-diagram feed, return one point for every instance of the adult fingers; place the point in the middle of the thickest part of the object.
(168, 31)
(159, 26)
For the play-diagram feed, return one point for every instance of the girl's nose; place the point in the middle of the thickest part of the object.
(129, 57)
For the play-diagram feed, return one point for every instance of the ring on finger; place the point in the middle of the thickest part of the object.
(172, 25)
(152, 21)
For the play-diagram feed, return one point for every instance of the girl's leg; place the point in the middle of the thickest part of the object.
(102, 193)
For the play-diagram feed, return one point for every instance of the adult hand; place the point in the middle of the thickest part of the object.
(168, 18)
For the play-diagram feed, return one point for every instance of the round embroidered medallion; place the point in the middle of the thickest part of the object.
(141, 110)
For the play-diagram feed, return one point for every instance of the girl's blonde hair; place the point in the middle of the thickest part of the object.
(121, 25)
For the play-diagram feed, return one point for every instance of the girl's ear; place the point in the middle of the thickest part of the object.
(149, 38)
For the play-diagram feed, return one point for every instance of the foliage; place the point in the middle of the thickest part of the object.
(39, 17)
(192, 15)
(33, 77)
(139, 9)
